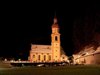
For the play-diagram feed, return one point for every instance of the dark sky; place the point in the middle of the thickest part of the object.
(26, 23)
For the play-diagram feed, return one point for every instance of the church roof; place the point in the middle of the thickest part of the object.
(44, 48)
(55, 26)
(62, 51)
(41, 48)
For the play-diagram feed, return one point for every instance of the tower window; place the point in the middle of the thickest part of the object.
(56, 38)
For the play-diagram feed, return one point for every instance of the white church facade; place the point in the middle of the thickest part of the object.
(49, 53)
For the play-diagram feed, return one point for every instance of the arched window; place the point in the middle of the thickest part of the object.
(38, 57)
(56, 38)
(33, 56)
(44, 57)
(49, 57)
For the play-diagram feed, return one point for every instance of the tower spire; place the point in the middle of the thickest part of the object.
(55, 18)
(55, 41)
(55, 24)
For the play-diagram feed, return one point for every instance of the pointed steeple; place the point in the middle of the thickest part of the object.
(55, 24)
(55, 18)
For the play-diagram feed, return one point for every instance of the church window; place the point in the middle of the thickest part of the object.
(33, 56)
(44, 57)
(38, 57)
(56, 38)
(63, 58)
(49, 57)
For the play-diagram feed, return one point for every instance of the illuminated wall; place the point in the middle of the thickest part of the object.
(40, 53)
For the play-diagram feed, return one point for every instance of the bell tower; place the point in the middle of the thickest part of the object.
(55, 41)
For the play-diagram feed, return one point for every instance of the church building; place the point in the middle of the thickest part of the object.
(49, 53)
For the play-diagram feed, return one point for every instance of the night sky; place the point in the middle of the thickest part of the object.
(25, 23)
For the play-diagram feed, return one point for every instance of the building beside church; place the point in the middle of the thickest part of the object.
(49, 53)
(89, 55)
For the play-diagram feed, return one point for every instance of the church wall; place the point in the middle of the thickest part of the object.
(40, 57)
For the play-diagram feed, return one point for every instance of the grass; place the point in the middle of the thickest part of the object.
(59, 70)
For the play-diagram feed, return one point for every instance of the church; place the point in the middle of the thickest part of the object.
(49, 53)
